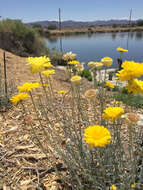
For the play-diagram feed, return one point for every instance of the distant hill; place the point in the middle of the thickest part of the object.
(71, 23)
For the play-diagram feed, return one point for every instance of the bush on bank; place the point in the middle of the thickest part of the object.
(20, 39)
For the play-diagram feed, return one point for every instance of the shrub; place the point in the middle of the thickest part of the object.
(56, 58)
(20, 39)
(139, 23)
(52, 27)
(87, 74)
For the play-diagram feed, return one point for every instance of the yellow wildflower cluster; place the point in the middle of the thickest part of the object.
(97, 136)
(69, 56)
(112, 113)
(76, 79)
(121, 50)
(26, 87)
(73, 62)
(130, 70)
(47, 73)
(135, 86)
(107, 61)
(19, 97)
(110, 85)
(38, 64)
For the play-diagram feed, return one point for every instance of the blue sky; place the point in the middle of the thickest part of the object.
(79, 10)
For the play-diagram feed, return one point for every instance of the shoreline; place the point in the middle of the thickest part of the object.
(91, 30)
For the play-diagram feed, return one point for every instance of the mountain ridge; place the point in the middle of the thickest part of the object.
(72, 23)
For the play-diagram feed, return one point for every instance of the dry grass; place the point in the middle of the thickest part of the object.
(94, 29)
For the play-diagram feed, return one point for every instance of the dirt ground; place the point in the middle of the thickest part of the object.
(21, 160)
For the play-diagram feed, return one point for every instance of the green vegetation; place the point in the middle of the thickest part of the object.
(56, 58)
(87, 74)
(20, 39)
(131, 100)
(139, 23)
(52, 27)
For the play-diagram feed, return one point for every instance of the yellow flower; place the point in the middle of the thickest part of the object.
(121, 50)
(76, 79)
(95, 65)
(38, 64)
(135, 86)
(133, 185)
(130, 70)
(19, 97)
(90, 94)
(69, 56)
(97, 136)
(113, 187)
(62, 92)
(107, 61)
(110, 85)
(74, 62)
(112, 113)
(26, 87)
(44, 85)
(47, 73)
(118, 102)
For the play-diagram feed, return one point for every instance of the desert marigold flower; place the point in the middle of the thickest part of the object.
(118, 102)
(107, 61)
(130, 70)
(26, 87)
(62, 92)
(133, 185)
(19, 97)
(38, 64)
(48, 73)
(95, 65)
(113, 187)
(73, 62)
(97, 136)
(112, 113)
(76, 79)
(110, 85)
(121, 50)
(69, 56)
(135, 86)
(44, 84)
(90, 94)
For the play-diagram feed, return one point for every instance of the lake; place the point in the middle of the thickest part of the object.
(93, 47)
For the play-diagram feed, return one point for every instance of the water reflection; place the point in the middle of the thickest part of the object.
(52, 39)
(114, 34)
(122, 35)
(61, 45)
(131, 34)
(139, 35)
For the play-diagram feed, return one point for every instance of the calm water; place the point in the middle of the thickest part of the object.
(94, 47)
